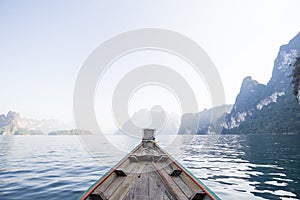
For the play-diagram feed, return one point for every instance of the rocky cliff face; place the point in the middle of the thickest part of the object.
(9, 124)
(269, 108)
(250, 95)
(204, 122)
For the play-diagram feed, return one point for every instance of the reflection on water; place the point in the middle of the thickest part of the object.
(235, 167)
(243, 167)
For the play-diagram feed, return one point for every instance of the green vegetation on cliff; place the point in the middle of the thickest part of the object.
(296, 78)
(276, 118)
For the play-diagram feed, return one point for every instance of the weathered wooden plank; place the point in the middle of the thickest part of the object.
(177, 179)
(124, 187)
(192, 185)
(188, 182)
(185, 178)
(172, 186)
(111, 179)
(148, 186)
(157, 188)
(118, 180)
(129, 167)
(139, 188)
(105, 184)
(183, 186)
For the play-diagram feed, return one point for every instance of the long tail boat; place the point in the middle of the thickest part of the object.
(148, 172)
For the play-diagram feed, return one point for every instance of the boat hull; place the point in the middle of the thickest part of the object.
(148, 172)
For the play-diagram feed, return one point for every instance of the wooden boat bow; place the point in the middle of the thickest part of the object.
(148, 172)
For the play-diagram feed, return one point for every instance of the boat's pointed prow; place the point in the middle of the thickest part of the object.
(148, 138)
(148, 172)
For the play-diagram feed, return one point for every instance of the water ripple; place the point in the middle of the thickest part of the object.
(235, 167)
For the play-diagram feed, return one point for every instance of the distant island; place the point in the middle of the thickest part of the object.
(13, 124)
(71, 132)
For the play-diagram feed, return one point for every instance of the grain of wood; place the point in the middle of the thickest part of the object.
(178, 180)
(126, 184)
(148, 177)
(149, 186)
(118, 181)
(172, 186)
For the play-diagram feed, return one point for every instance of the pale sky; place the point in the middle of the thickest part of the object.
(44, 43)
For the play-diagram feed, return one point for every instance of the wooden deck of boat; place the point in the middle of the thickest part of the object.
(148, 173)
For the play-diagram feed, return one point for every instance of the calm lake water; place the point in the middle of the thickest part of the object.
(234, 167)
